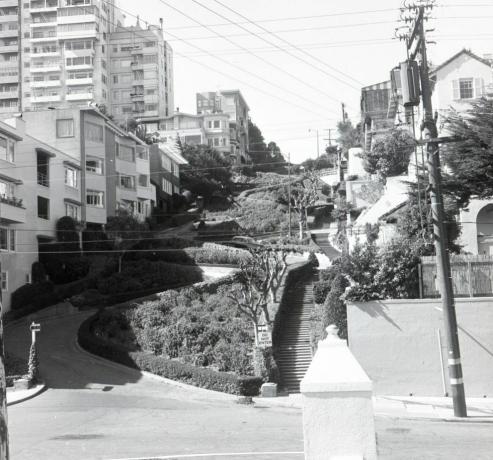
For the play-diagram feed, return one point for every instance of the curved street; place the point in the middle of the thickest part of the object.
(93, 409)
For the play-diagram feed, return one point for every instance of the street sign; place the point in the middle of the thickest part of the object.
(35, 327)
(264, 336)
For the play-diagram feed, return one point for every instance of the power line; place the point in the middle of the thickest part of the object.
(299, 80)
(283, 40)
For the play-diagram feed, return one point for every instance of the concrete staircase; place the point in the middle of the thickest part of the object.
(322, 240)
(294, 354)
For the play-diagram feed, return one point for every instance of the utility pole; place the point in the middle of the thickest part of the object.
(330, 136)
(289, 195)
(318, 141)
(344, 115)
(430, 134)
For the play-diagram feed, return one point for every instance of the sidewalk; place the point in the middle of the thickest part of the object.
(17, 396)
(430, 408)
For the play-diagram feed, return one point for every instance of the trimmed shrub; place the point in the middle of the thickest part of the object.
(322, 287)
(89, 298)
(175, 370)
(33, 365)
(36, 296)
(335, 311)
(62, 269)
(249, 386)
(38, 273)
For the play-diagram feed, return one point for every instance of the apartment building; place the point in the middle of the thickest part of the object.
(58, 52)
(231, 103)
(210, 129)
(114, 164)
(141, 74)
(38, 184)
(165, 174)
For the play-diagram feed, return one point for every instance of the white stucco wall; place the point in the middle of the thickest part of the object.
(396, 342)
(468, 218)
(338, 417)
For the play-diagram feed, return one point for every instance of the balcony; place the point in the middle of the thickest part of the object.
(136, 65)
(46, 84)
(137, 50)
(9, 94)
(43, 179)
(8, 3)
(11, 210)
(39, 37)
(40, 99)
(45, 68)
(73, 34)
(9, 17)
(78, 19)
(43, 6)
(9, 49)
(9, 33)
(79, 81)
(137, 96)
(79, 96)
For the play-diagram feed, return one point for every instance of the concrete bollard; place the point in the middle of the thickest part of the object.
(268, 390)
(338, 419)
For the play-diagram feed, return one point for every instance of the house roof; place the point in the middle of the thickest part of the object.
(173, 152)
(455, 56)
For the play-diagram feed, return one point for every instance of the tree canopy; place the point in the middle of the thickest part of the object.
(468, 163)
(265, 157)
(390, 153)
(207, 172)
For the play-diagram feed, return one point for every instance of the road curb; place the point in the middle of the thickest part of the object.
(197, 390)
(38, 389)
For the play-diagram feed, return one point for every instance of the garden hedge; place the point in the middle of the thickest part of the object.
(174, 370)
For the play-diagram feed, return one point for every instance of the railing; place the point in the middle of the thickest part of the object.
(472, 276)
(11, 200)
(43, 179)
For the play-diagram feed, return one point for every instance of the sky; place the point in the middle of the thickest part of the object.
(322, 54)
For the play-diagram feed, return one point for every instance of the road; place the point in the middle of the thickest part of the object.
(96, 410)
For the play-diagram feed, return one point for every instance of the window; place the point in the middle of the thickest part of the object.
(79, 45)
(93, 132)
(72, 210)
(4, 279)
(166, 163)
(6, 189)
(150, 107)
(142, 207)
(149, 44)
(115, 78)
(217, 124)
(150, 59)
(466, 88)
(167, 186)
(104, 79)
(43, 208)
(151, 91)
(4, 237)
(71, 177)
(81, 60)
(127, 182)
(65, 128)
(7, 149)
(216, 142)
(94, 165)
(124, 152)
(143, 180)
(95, 198)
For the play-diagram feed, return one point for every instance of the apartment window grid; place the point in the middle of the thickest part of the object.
(7, 239)
(167, 186)
(466, 87)
(95, 166)
(142, 207)
(94, 132)
(72, 210)
(7, 189)
(65, 128)
(95, 198)
(125, 153)
(127, 182)
(7, 149)
(71, 177)
(43, 208)
(143, 180)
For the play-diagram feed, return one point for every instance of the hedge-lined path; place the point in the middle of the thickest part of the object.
(94, 409)
(294, 355)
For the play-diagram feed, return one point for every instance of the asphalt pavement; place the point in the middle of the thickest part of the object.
(94, 409)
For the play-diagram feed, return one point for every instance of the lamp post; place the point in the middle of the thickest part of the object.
(318, 141)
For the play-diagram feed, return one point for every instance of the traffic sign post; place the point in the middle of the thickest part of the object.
(34, 327)
(264, 336)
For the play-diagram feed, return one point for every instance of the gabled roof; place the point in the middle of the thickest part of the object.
(455, 56)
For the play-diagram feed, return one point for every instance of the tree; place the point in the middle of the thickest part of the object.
(325, 161)
(264, 156)
(349, 136)
(390, 153)
(302, 196)
(125, 231)
(207, 172)
(468, 170)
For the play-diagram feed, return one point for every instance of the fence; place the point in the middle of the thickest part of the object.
(472, 276)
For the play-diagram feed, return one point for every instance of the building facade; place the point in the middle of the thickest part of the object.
(231, 103)
(210, 129)
(141, 74)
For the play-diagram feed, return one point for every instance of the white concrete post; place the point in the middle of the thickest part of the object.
(337, 403)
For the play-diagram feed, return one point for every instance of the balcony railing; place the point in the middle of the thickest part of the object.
(11, 200)
(43, 179)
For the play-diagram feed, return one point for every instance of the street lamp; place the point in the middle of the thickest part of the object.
(318, 141)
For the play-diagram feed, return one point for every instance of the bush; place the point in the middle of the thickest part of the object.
(38, 273)
(62, 269)
(175, 370)
(66, 232)
(36, 296)
(322, 287)
(146, 275)
(249, 386)
(334, 311)
(89, 298)
(312, 259)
